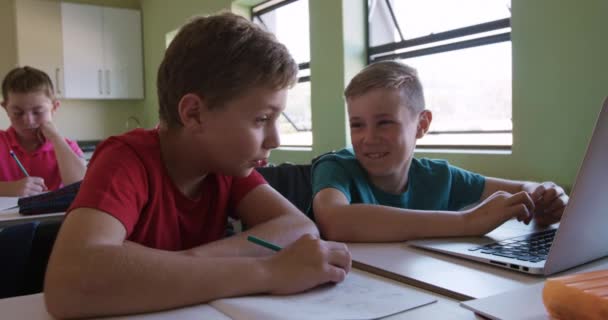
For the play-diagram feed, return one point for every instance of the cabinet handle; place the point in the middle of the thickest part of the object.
(107, 81)
(99, 82)
(57, 84)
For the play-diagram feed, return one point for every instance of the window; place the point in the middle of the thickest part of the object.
(462, 51)
(288, 21)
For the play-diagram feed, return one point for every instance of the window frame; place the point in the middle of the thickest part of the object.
(256, 12)
(388, 51)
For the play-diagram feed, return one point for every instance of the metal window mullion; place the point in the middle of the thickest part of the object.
(441, 36)
(390, 10)
(270, 8)
(423, 147)
(447, 47)
(261, 21)
(469, 132)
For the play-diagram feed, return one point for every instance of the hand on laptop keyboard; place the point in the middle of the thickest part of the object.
(550, 200)
(497, 209)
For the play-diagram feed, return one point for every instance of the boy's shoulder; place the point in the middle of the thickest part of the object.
(430, 167)
(139, 142)
(345, 157)
(135, 139)
(429, 163)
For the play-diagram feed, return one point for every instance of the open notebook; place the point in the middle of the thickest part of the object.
(360, 296)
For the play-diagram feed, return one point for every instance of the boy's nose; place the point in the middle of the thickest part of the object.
(369, 135)
(30, 120)
(272, 139)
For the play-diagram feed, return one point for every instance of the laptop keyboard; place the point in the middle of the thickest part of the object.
(533, 247)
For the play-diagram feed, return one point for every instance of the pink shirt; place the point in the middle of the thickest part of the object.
(38, 163)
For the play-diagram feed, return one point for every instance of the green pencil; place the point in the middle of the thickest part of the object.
(264, 243)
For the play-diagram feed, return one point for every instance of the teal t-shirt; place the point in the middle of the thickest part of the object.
(432, 184)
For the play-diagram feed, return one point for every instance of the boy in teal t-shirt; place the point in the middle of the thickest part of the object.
(377, 191)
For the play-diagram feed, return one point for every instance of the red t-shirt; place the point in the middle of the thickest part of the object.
(127, 179)
(38, 163)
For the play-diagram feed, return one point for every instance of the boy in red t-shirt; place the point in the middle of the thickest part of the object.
(145, 231)
(49, 160)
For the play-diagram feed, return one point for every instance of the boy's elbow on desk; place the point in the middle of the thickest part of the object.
(59, 303)
(329, 225)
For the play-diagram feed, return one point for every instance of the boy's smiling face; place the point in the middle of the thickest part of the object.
(240, 134)
(383, 132)
(27, 111)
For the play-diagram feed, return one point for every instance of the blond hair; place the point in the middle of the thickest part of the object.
(219, 57)
(389, 75)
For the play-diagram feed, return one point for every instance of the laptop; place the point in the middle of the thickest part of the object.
(580, 237)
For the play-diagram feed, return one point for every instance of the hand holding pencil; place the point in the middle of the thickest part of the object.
(27, 186)
(305, 264)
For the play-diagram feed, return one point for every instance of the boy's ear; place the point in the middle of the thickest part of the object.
(424, 123)
(190, 109)
(56, 105)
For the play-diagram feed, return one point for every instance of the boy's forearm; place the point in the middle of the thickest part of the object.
(71, 167)
(282, 231)
(375, 223)
(493, 185)
(6, 189)
(110, 280)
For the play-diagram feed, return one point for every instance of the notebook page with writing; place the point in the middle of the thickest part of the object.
(360, 296)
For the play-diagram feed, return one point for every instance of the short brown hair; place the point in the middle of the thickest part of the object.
(388, 75)
(219, 57)
(26, 79)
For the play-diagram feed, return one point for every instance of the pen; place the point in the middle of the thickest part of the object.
(19, 163)
(263, 243)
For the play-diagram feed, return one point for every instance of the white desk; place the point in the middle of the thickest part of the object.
(32, 307)
(12, 216)
(450, 276)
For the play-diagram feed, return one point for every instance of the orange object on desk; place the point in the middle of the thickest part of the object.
(582, 296)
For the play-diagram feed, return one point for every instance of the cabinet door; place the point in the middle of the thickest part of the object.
(82, 51)
(122, 53)
(39, 40)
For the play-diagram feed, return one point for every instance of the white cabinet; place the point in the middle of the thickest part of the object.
(38, 35)
(102, 52)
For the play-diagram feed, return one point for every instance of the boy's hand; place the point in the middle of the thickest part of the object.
(497, 209)
(28, 186)
(48, 131)
(550, 201)
(307, 263)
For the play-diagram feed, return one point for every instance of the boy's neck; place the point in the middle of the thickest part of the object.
(395, 183)
(178, 162)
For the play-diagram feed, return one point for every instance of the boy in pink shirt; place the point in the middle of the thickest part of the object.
(49, 159)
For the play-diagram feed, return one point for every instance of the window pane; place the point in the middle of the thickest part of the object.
(468, 89)
(419, 18)
(294, 124)
(289, 24)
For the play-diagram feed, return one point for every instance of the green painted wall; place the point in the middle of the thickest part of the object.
(160, 18)
(8, 54)
(560, 76)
